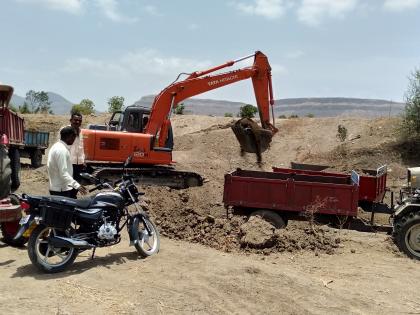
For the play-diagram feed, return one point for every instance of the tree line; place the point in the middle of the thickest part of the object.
(38, 102)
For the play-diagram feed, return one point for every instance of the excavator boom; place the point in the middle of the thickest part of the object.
(200, 82)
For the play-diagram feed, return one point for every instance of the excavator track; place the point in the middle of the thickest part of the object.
(152, 176)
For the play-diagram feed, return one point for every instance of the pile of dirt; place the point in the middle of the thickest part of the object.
(179, 215)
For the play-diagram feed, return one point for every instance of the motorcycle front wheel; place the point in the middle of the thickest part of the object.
(44, 255)
(147, 243)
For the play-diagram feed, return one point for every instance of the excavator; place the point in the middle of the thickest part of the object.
(146, 133)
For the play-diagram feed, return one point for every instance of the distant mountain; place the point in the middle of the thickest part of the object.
(59, 104)
(317, 106)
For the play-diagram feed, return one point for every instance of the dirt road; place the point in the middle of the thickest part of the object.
(190, 278)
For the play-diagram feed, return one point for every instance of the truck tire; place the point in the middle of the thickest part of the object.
(15, 164)
(271, 217)
(5, 173)
(36, 158)
(407, 234)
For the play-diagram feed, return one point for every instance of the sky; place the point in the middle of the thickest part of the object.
(97, 49)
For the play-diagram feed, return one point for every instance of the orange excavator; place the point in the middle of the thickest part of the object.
(146, 133)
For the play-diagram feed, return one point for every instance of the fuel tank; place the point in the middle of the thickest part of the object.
(107, 199)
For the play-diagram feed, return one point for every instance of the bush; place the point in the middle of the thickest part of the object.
(179, 110)
(248, 111)
(86, 107)
(282, 117)
(310, 115)
(410, 126)
(341, 133)
(228, 115)
(294, 116)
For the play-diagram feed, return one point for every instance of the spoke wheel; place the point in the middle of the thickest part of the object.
(147, 243)
(44, 255)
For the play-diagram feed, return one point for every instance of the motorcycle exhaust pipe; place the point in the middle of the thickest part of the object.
(59, 241)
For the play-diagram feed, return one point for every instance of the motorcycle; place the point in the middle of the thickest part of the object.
(61, 227)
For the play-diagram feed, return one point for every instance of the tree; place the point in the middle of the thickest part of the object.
(248, 111)
(411, 117)
(31, 100)
(44, 104)
(38, 102)
(86, 107)
(228, 115)
(115, 103)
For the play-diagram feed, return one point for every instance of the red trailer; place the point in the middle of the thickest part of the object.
(372, 183)
(291, 194)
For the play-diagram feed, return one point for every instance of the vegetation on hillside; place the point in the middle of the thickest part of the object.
(410, 127)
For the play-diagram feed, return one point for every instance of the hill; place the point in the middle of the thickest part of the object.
(319, 107)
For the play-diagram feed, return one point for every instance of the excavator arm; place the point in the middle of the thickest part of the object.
(200, 82)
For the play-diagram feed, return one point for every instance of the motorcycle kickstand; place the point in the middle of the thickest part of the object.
(93, 253)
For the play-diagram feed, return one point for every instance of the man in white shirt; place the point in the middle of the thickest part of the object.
(60, 169)
(77, 154)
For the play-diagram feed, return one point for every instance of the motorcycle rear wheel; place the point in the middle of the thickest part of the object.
(146, 244)
(46, 257)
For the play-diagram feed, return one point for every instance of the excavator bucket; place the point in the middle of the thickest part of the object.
(251, 137)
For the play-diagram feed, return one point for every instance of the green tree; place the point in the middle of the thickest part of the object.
(31, 100)
(115, 103)
(38, 102)
(44, 104)
(228, 115)
(410, 126)
(86, 107)
(179, 109)
(248, 111)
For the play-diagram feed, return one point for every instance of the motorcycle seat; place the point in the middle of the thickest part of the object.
(65, 201)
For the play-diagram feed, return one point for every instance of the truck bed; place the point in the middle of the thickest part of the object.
(372, 183)
(291, 192)
(37, 139)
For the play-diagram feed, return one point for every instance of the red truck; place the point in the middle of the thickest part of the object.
(15, 142)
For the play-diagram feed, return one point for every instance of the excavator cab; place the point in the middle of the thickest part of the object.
(133, 119)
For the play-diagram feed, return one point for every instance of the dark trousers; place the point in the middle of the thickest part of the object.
(69, 193)
(77, 169)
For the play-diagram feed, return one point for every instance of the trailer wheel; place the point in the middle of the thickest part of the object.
(271, 217)
(5, 173)
(407, 234)
(15, 164)
(36, 158)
